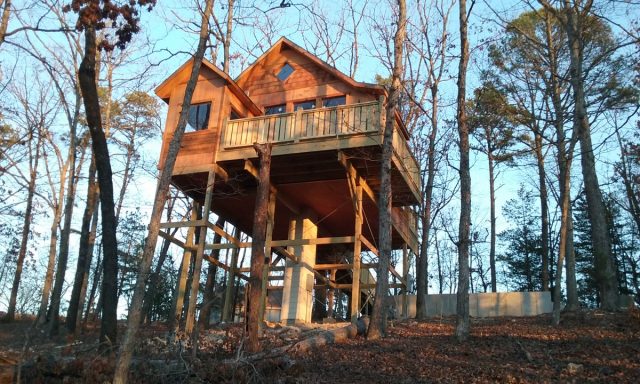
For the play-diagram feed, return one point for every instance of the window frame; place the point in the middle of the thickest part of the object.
(267, 109)
(325, 99)
(205, 123)
(285, 72)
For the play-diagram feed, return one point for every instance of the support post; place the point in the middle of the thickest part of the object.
(355, 286)
(227, 310)
(271, 211)
(330, 300)
(405, 274)
(178, 297)
(195, 282)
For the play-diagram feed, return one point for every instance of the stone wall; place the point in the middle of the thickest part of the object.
(485, 304)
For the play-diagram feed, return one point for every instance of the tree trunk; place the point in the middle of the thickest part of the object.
(87, 78)
(4, 22)
(600, 238)
(492, 199)
(53, 314)
(570, 265)
(84, 258)
(135, 312)
(544, 210)
(464, 228)
(378, 323)
(258, 258)
(26, 226)
(227, 37)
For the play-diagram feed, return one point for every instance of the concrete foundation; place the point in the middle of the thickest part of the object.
(485, 304)
(297, 295)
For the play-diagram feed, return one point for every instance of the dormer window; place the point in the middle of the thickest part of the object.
(198, 117)
(285, 72)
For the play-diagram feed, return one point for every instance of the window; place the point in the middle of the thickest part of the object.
(334, 101)
(309, 104)
(198, 117)
(285, 72)
(234, 115)
(272, 110)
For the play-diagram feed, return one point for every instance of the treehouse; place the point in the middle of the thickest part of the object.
(326, 134)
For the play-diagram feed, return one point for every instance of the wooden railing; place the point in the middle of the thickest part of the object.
(316, 123)
(327, 123)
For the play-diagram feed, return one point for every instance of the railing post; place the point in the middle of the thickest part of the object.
(225, 133)
(297, 123)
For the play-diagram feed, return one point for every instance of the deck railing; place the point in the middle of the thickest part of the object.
(327, 123)
(315, 123)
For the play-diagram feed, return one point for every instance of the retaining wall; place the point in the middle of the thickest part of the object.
(484, 304)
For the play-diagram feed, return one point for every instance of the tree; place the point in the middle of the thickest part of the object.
(523, 243)
(36, 121)
(135, 311)
(491, 121)
(377, 324)
(464, 227)
(258, 260)
(433, 54)
(573, 16)
(92, 17)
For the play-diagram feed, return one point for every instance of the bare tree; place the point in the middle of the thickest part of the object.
(464, 227)
(377, 325)
(135, 310)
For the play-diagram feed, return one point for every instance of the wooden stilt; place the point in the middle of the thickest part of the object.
(227, 311)
(330, 296)
(355, 288)
(195, 282)
(178, 297)
(405, 274)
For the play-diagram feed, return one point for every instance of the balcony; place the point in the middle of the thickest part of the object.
(325, 129)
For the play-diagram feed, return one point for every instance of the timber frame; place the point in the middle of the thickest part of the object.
(324, 165)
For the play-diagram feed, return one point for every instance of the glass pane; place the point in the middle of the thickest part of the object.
(334, 101)
(309, 104)
(285, 72)
(272, 110)
(198, 117)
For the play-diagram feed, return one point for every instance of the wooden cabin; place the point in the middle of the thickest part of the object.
(326, 130)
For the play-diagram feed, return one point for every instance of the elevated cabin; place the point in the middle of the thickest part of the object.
(326, 130)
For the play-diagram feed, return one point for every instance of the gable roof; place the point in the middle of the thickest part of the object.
(284, 42)
(163, 90)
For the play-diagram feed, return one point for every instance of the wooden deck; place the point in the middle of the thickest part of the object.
(318, 130)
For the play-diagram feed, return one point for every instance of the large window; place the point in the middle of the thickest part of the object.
(334, 101)
(198, 117)
(272, 110)
(309, 104)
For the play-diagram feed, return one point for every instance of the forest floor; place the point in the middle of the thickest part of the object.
(588, 346)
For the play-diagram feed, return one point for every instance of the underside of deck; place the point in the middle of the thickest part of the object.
(316, 181)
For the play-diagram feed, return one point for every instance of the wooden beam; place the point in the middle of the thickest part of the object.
(227, 246)
(324, 267)
(284, 252)
(369, 246)
(353, 173)
(251, 169)
(222, 233)
(183, 224)
(316, 241)
(175, 241)
(221, 172)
